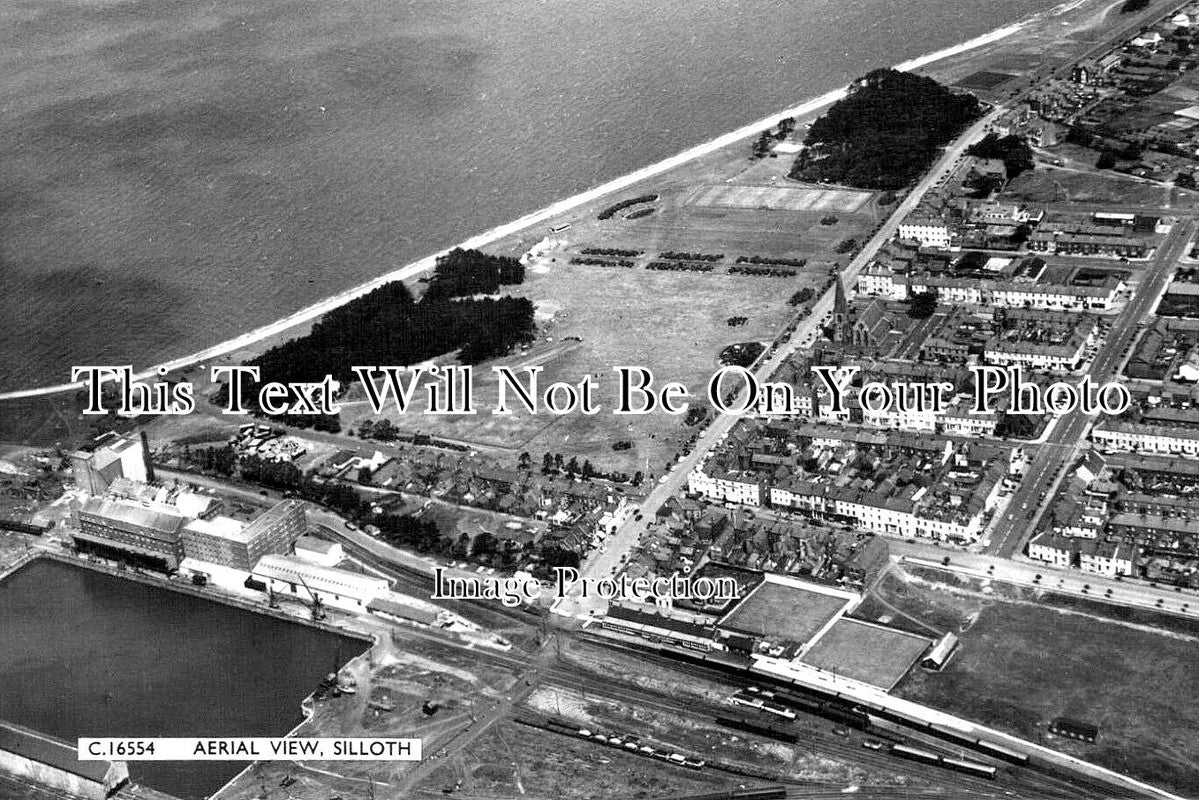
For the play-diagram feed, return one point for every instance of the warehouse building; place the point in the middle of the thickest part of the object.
(338, 588)
(119, 458)
(319, 551)
(124, 531)
(50, 762)
(234, 544)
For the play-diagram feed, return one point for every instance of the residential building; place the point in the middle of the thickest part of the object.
(1117, 434)
(930, 231)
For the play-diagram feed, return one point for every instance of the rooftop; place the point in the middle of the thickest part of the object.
(47, 750)
(122, 514)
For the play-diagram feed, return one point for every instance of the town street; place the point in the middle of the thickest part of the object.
(1067, 438)
(606, 562)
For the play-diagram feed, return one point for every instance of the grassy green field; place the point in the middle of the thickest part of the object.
(783, 612)
(1021, 665)
(866, 653)
(1060, 186)
(591, 319)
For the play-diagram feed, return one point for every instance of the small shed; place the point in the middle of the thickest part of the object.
(941, 651)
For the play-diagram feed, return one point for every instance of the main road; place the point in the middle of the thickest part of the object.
(606, 562)
(1067, 438)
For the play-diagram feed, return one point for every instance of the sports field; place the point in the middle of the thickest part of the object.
(985, 80)
(1020, 665)
(780, 198)
(869, 653)
(782, 611)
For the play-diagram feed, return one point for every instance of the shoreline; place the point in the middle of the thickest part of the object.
(315, 310)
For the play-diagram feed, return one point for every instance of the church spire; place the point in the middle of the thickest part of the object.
(841, 324)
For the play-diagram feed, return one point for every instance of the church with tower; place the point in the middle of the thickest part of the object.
(865, 327)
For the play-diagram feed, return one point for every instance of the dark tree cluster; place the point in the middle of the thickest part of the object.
(772, 261)
(673, 255)
(616, 208)
(922, 305)
(556, 464)
(1132, 6)
(678, 266)
(1014, 151)
(742, 354)
(610, 251)
(388, 326)
(802, 296)
(221, 460)
(768, 137)
(588, 261)
(762, 272)
(885, 133)
(461, 273)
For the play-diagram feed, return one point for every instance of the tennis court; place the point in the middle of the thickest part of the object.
(781, 198)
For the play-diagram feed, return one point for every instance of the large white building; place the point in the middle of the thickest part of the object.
(1135, 437)
(1093, 555)
(957, 421)
(319, 551)
(725, 486)
(881, 282)
(887, 516)
(928, 230)
(1034, 355)
(291, 576)
(118, 458)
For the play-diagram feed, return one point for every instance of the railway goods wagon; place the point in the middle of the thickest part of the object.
(970, 767)
(783, 730)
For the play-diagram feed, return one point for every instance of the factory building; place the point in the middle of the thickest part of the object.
(319, 551)
(288, 575)
(129, 532)
(46, 761)
(120, 458)
(237, 545)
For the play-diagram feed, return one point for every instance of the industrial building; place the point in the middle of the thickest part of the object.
(425, 614)
(339, 588)
(319, 551)
(50, 762)
(126, 531)
(119, 458)
(234, 544)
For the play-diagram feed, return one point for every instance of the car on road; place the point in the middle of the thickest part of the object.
(871, 744)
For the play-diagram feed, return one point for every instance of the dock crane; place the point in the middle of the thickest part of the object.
(318, 611)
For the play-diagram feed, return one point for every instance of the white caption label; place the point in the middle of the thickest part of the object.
(250, 749)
